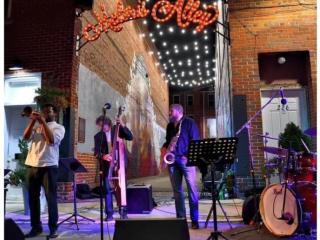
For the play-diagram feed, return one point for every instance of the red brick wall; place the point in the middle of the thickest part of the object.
(268, 26)
(90, 163)
(40, 34)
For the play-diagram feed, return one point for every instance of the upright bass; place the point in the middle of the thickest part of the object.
(117, 174)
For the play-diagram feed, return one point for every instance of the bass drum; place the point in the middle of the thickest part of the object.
(306, 193)
(271, 202)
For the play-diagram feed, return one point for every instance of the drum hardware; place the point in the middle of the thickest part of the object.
(277, 151)
(312, 132)
(247, 126)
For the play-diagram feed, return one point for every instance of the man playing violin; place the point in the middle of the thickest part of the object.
(42, 166)
(103, 145)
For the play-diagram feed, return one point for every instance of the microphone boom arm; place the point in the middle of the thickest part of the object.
(256, 114)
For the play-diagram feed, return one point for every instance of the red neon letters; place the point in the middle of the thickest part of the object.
(162, 11)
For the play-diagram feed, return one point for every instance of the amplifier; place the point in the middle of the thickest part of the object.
(139, 199)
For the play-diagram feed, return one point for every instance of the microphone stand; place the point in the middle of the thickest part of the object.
(101, 173)
(247, 126)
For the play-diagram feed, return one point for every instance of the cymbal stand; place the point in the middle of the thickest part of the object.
(247, 126)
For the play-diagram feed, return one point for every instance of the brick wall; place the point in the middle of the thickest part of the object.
(268, 26)
(40, 34)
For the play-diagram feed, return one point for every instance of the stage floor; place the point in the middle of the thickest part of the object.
(162, 195)
(165, 209)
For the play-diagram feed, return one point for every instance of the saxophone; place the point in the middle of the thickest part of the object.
(169, 157)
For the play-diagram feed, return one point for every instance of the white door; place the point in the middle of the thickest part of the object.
(276, 116)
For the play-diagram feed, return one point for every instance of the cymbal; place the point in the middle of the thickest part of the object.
(276, 151)
(312, 132)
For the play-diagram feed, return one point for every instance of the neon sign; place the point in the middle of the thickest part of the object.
(162, 11)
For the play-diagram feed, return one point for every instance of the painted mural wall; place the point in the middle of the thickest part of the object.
(148, 135)
(139, 115)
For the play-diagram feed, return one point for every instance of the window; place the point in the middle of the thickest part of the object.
(82, 130)
(176, 99)
(190, 100)
(20, 89)
(211, 100)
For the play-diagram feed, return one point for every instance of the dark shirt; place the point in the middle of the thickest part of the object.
(189, 131)
(124, 133)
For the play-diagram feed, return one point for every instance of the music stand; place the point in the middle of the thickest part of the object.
(75, 167)
(217, 153)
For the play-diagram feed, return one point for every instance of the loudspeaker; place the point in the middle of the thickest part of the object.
(239, 118)
(12, 231)
(152, 229)
(139, 199)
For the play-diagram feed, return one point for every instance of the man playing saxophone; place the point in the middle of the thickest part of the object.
(180, 131)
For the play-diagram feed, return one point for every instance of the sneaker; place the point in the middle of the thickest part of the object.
(53, 234)
(34, 232)
(195, 225)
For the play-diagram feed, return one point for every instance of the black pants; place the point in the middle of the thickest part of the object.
(47, 177)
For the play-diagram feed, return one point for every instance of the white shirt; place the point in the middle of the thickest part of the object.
(42, 154)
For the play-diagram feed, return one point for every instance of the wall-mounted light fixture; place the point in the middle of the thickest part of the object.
(282, 60)
(16, 65)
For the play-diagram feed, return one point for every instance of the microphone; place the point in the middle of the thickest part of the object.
(287, 217)
(107, 106)
(283, 100)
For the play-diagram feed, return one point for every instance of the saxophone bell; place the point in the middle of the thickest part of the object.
(169, 158)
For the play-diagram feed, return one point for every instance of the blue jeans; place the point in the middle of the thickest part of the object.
(108, 198)
(176, 172)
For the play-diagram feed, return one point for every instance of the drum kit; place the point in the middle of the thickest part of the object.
(289, 207)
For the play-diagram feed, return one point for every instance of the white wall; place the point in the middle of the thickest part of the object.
(93, 93)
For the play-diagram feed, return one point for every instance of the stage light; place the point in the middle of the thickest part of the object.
(171, 29)
(145, 22)
(164, 44)
(180, 63)
(186, 47)
(160, 33)
(158, 26)
(183, 31)
(153, 40)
